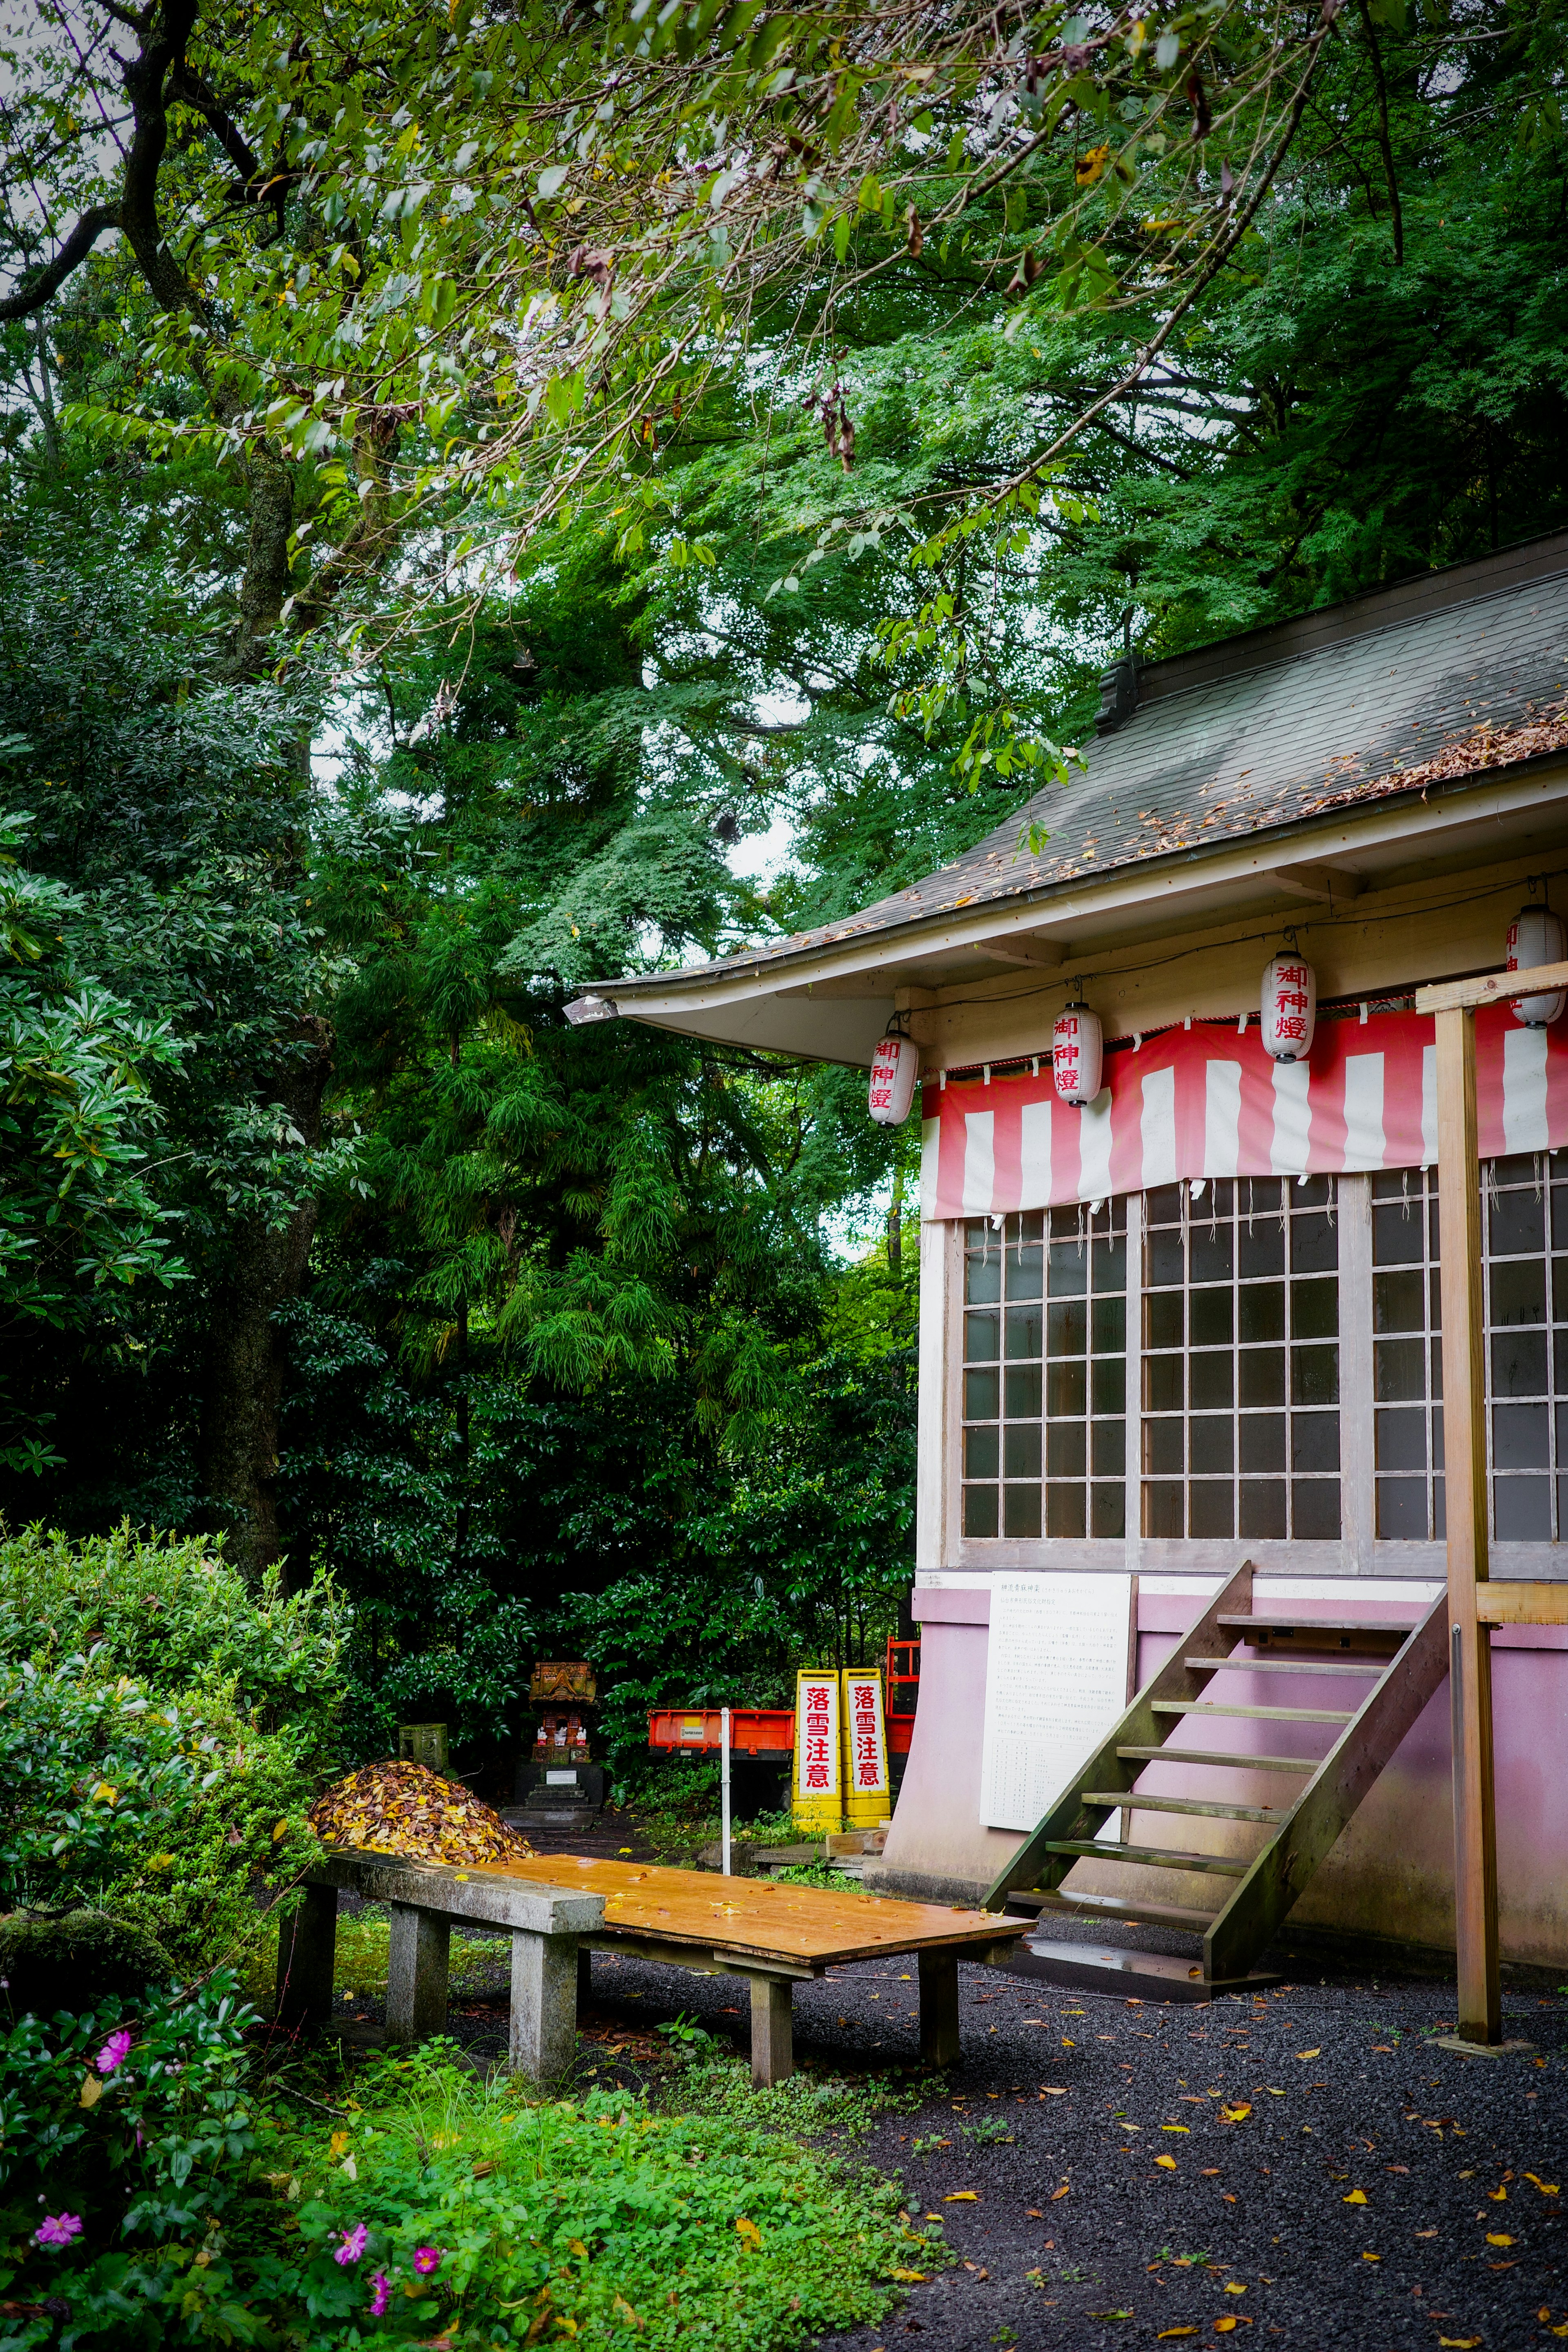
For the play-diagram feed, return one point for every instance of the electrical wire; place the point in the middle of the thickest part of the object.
(1244, 938)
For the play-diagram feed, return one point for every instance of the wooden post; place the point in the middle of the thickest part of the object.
(544, 2041)
(773, 2030)
(938, 2008)
(307, 1946)
(1465, 1490)
(418, 1950)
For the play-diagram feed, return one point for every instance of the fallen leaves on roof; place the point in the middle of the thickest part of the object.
(411, 1811)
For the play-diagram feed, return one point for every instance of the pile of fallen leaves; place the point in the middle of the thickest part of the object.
(411, 1811)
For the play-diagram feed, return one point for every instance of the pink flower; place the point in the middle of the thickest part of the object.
(115, 2052)
(428, 2261)
(381, 2290)
(352, 2248)
(57, 2230)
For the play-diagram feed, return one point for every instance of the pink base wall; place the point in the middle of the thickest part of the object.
(1392, 1872)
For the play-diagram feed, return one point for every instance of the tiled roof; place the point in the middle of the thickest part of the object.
(1376, 700)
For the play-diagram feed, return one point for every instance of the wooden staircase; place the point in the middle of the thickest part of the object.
(1403, 1663)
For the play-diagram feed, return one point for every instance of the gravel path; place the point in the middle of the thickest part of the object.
(1304, 2167)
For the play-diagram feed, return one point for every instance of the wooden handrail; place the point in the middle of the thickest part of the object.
(1490, 988)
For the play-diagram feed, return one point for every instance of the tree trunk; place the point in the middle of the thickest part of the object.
(244, 1357)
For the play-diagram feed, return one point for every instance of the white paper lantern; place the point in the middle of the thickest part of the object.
(1077, 1054)
(1289, 1007)
(895, 1066)
(1535, 936)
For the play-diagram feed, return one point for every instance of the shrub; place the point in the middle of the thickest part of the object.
(174, 1614)
(125, 2138)
(170, 1825)
(163, 1730)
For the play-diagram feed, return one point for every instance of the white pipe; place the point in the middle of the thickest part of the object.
(724, 1790)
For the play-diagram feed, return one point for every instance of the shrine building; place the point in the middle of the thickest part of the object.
(1181, 1290)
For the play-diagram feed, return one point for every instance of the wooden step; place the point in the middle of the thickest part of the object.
(1150, 1857)
(1121, 1974)
(1221, 1758)
(1135, 1797)
(1319, 1632)
(1263, 1714)
(1237, 1664)
(1119, 1906)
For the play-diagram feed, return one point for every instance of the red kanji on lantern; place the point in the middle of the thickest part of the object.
(894, 1067)
(1289, 1006)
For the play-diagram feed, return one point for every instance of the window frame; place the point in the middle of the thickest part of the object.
(1357, 1552)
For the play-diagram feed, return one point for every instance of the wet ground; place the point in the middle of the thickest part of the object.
(1304, 2167)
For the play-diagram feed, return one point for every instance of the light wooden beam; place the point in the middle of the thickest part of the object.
(1492, 987)
(1043, 953)
(1322, 883)
(1465, 1484)
(1522, 1604)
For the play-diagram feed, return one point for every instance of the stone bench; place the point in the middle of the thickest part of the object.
(546, 1924)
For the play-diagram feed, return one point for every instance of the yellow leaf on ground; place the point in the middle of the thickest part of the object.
(1062, 2191)
(576, 2245)
(747, 2231)
(340, 2143)
(1309, 2054)
(103, 1794)
(1188, 2127)
(1169, 2162)
(1459, 2343)
(1377, 2258)
(1234, 2286)
(1174, 2331)
(1238, 2115)
(913, 2278)
(1356, 2197)
(1547, 2188)
(1224, 2327)
(962, 2197)
(1498, 2238)
(624, 2312)
(91, 2093)
(1500, 2196)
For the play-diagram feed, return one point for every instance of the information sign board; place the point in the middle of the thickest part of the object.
(1058, 1673)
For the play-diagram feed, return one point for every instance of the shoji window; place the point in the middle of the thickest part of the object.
(1045, 1354)
(1524, 1217)
(1241, 1372)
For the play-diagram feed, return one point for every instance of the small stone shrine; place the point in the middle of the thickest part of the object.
(559, 1784)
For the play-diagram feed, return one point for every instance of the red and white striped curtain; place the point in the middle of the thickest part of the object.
(1207, 1101)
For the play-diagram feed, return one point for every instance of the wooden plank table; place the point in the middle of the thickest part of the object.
(560, 1908)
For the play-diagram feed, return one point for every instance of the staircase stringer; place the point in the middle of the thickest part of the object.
(1244, 1925)
(1032, 1865)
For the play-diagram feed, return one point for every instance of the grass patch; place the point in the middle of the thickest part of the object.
(815, 1874)
(806, 2104)
(493, 2219)
(359, 1961)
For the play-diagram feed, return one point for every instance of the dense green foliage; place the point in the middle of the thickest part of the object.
(544, 1340)
(162, 1733)
(440, 2205)
(125, 2131)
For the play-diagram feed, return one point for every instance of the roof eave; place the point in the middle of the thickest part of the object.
(1135, 881)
